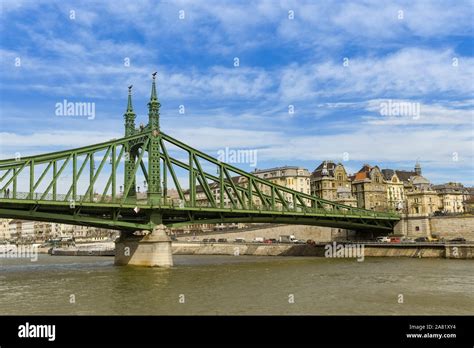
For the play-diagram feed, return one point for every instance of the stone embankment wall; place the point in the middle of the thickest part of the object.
(246, 249)
(453, 227)
(446, 227)
(316, 233)
(418, 251)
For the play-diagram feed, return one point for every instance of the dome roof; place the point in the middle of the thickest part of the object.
(419, 180)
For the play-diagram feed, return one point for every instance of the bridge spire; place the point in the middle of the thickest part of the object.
(154, 170)
(130, 160)
(129, 115)
(154, 107)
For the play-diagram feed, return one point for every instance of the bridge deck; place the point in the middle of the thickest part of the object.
(136, 214)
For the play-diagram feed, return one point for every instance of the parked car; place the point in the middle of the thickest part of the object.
(205, 240)
(259, 240)
(273, 240)
(240, 240)
(212, 240)
(267, 241)
(288, 239)
(407, 240)
(421, 240)
(395, 239)
(222, 240)
(458, 240)
(310, 242)
(433, 238)
(383, 239)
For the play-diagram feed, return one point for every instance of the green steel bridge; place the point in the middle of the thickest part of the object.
(98, 185)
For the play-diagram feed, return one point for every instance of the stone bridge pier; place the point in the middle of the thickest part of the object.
(149, 250)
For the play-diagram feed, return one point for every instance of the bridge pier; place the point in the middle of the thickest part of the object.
(151, 250)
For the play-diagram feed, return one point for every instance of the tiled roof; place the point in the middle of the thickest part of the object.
(387, 173)
(363, 173)
(276, 168)
(405, 175)
(451, 187)
(330, 166)
(361, 176)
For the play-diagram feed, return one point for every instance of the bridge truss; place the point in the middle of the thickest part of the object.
(96, 185)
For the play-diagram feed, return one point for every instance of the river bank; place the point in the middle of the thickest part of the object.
(454, 251)
(419, 250)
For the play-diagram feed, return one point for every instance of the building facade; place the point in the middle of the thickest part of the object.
(22, 230)
(5, 230)
(330, 181)
(292, 177)
(452, 197)
(369, 189)
(395, 189)
(295, 178)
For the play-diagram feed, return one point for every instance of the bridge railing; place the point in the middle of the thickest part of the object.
(183, 204)
(204, 204)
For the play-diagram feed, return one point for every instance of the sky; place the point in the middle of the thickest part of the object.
(296, 83)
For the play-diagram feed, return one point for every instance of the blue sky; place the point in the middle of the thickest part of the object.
(405, 51)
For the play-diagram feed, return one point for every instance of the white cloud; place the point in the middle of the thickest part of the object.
(411, 72)
(35, 143)
(437, 114)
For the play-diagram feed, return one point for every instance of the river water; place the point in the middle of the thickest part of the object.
(237, 285)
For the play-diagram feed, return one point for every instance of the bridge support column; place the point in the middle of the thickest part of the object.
(152, 250)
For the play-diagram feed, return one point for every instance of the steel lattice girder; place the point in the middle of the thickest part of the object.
(281, 205)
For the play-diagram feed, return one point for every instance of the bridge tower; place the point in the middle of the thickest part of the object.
(153, 249)
(130, 155)
(154, 175)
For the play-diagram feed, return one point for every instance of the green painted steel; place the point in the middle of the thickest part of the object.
(212, 196)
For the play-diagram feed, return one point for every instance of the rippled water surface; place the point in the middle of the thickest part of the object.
(237, 285)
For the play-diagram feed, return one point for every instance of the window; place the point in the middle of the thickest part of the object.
(417, 228)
